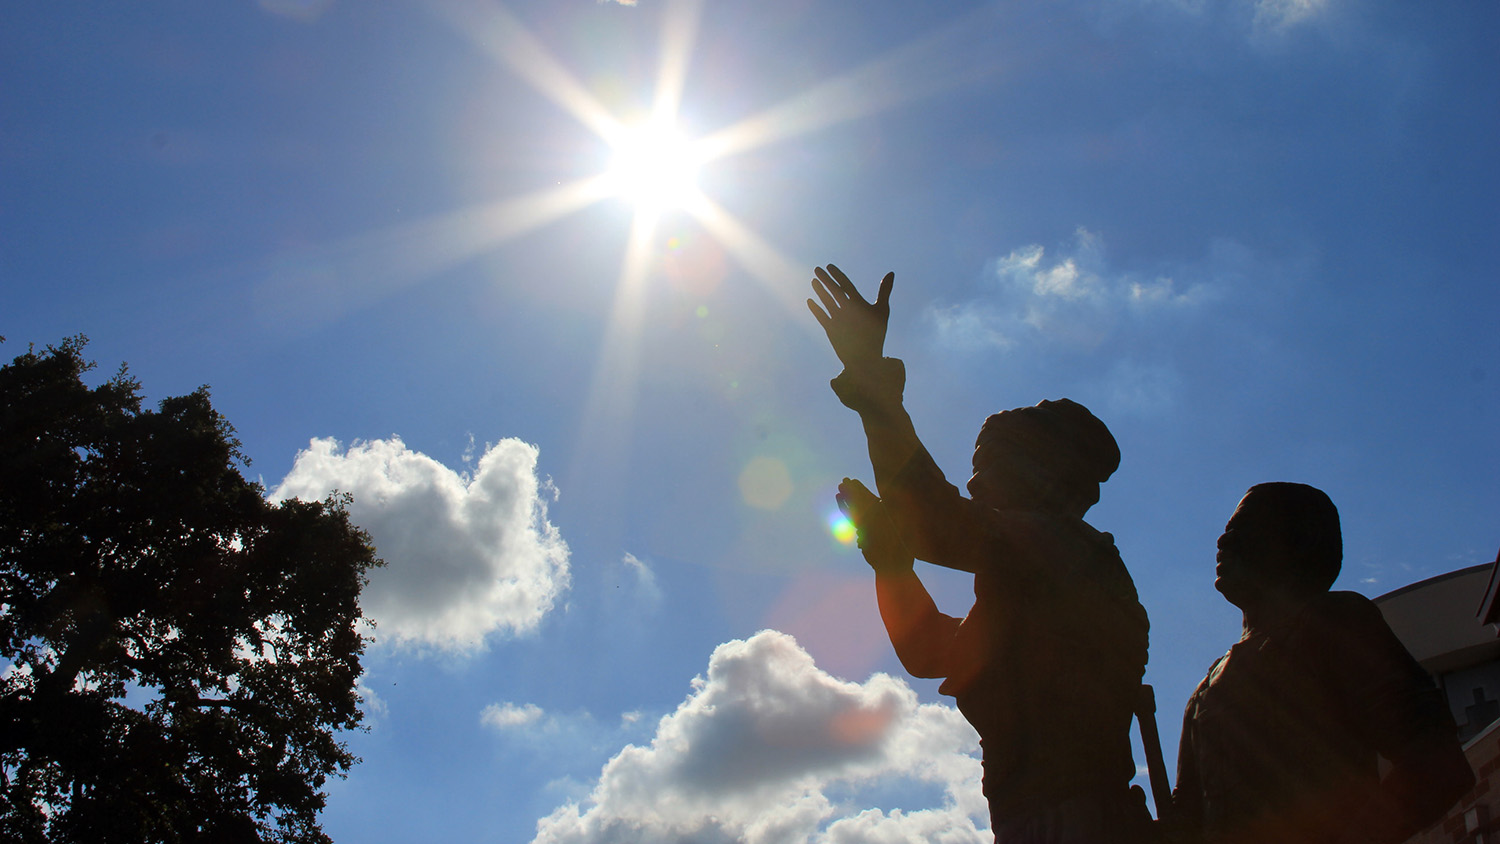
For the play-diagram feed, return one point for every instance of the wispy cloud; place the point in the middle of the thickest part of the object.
(757, 750)
(970, 326)
(1281, 14)
(466, 555)
(505, 716)
(1072, 297)
(640, 581)
(1262, 16)
(370, 702)
(1142, 389)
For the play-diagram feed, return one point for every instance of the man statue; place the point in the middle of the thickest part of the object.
(1048, 662)
(1280, 741)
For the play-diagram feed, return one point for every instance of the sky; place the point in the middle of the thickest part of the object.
(584, 413)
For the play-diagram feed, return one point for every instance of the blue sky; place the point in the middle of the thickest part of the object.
(596, 444)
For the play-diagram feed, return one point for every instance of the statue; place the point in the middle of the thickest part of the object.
(1280, 741)
(1048, 662)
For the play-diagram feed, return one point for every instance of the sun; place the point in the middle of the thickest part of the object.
(654, 166)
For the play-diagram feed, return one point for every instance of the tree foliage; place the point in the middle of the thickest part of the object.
(181, 651)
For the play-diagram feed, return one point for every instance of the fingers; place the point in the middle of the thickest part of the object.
(840, 289)
(817, 312)
(845, 285)
(851, 486)
(856, 501)
(883, 298)
(828, 288)
(830, 303)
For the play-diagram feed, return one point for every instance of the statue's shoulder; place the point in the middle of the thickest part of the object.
(1209, 676)
(1068, 541)
(1346, 610)
(1055, 523)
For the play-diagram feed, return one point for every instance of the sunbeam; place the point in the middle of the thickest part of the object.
(497, 32)
(654, 167)
(370, 266)
(606, 425)
(763, 261)
(935, 63)
(679, 31)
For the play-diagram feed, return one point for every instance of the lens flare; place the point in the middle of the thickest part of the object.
(765, 483)
(841, 528)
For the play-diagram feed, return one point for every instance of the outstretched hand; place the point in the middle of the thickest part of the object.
(873, 528)
(856, 328)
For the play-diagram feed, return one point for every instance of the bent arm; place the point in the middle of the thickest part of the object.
(1411, 726)
(922, 636)
(1420, 788)
(1428, 773)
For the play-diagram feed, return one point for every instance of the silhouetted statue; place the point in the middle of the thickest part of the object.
(1048, 662)
(1280, 741)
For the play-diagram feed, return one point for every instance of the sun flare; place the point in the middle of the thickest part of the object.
(654, 166)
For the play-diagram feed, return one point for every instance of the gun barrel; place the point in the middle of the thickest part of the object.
(1156, 766)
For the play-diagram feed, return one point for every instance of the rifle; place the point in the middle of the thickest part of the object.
(1156, 766)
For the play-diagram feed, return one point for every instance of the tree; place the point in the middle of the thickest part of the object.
(181, 651)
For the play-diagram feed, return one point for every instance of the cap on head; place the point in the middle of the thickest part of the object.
(1072, 451)
(1306, 521)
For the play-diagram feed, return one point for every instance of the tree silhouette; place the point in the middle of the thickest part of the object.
(180, 651)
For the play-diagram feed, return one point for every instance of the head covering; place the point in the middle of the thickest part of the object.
(1061, 439)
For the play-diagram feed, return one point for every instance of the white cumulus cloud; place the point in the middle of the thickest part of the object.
(466, 555)
(769, 749)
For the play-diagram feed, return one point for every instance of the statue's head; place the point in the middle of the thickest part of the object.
(1283, 538)
(1052, 456)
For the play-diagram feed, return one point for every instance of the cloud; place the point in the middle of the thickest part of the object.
(769, 749)
(466, 555)
(1072, 298)
(1261, 16)
(1134, 327)
(631, 594)
(370, 703)
(1282, 14)
(970, 326)
(643, 581)
(1142, 389)
(504, 716)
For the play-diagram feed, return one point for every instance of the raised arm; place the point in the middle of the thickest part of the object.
(936, 523)
(921, 635)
